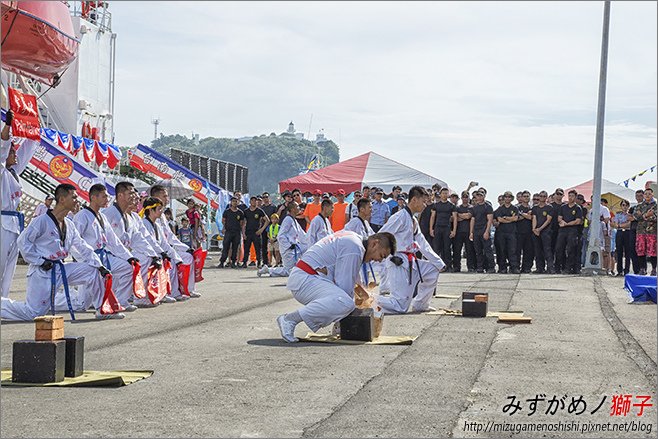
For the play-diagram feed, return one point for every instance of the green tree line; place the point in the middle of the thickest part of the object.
(270, 159)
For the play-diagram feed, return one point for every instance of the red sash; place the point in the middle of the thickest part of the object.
(110, 304)
(305, 267)
(183, 278)
(199, 262)
(138, 283)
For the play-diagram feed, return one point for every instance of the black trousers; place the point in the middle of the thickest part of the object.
(525, 247)
(232, 240)
(507, 247)
(634, 258)
(460, 240)
(483, 252)
(376, 227)
(441, 244)
(251, 238)
(543, 251)
(263, 248)
(567, 241)
(554, 233)
(623, 245)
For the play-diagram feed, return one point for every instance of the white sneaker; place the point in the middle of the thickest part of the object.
(287, 329)
(144, 303)
(168, 299)
(100, 316)
(130, 308)
(335, 330)
(263, 270)
(181, 298)
(194, 294)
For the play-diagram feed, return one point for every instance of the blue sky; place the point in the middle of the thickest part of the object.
(503, 93)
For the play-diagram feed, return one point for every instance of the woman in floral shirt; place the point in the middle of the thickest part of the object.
(646, 214)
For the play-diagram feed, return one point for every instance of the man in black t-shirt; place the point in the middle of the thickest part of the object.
(581, 246)
(555, 203)
(507, 215)
(480, 233)
(269, 210)
(255, 222)
(441, 227)
(542, 217)
(524, 243)
(233, 222)
(464, 213)
(424, 220)
(570, 216)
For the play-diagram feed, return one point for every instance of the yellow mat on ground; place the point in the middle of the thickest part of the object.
(457, 312)
(382, 339)
(90, 378)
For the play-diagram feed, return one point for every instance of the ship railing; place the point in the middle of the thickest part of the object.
(94, 12)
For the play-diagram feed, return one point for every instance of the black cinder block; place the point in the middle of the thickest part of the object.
(359, 325)
(75, 356)
(38, 361)
(471, 308)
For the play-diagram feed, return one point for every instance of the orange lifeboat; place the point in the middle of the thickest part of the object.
(38, 39)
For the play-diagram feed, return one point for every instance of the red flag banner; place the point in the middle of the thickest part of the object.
(156, 284)
(26, 115)
(199, 261)
(110, 304)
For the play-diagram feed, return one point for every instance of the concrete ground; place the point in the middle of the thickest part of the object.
(221, 369)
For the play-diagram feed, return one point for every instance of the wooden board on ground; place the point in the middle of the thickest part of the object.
(513, 318)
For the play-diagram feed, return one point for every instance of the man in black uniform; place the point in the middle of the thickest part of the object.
(570, 216)
(556, 203)
(480, 233)
(424, 220)
(241, 205)
(524, 243)
(580, 249)
(255, 222)
(542, 216)
(441, 230)
(507, 215)
(282, 210)
(233, 222)
(269, 209)
(464, 213)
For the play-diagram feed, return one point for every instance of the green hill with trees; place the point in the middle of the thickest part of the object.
(270, 159)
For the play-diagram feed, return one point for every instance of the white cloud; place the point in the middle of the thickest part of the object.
(503, 92)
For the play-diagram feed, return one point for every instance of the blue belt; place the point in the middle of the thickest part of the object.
(364, 267)
(104, 256)
(19, 215)
(53, 285)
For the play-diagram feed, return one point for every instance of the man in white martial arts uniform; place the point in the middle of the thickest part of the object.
(183, 251)
(320, 225)
(407, 277)
(292, 243)
(323, 280)
(359, 224)
(44, 244)
(12, 163)
(128, 227)
(94, 228)
(151, 211)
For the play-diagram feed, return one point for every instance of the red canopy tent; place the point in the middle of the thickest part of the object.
(369, 169)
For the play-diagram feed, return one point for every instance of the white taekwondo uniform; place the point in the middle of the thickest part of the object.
(290, 234)
(12, 220)
(362, 228)
(42, 240)
(424, 273)
(128, 228)
(328, 298)
(319, 228)
(183, 255)
(96, 231)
